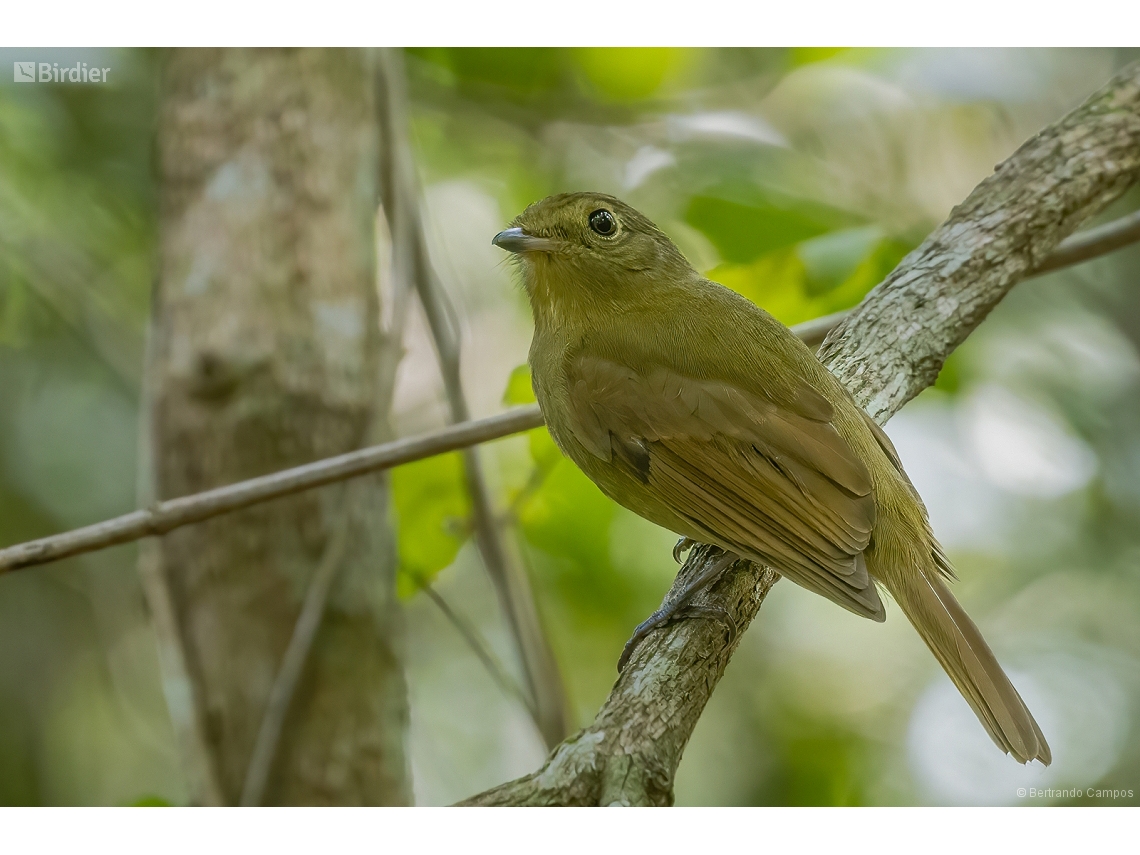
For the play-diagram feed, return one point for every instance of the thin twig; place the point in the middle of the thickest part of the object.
(168, 515)
(296, 654)
(413, 270)
(813, 332)
(183, 699)
(1092, 243)
(1074, 249)
(539, 666)
(475, 642)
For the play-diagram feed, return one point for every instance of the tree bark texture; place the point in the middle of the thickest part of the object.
(629, 755)
(547, 700)
(894, 343)
(887, 351)
(269, 354)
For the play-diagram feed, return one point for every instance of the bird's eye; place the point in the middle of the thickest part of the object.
(603, 222)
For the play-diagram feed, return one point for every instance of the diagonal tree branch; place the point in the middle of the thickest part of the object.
(1072, 250)
(475, 641)
(296, 655)
(893, 344)
(888, 350)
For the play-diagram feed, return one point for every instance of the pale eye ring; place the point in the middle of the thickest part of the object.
(603, 222)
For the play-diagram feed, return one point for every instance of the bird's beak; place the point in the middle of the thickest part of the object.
(516, 240)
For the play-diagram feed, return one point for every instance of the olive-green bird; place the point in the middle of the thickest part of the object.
(694, 408)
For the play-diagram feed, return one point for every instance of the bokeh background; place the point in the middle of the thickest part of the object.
(798, 177)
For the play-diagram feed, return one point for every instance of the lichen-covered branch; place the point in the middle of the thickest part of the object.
(629, 755)
(887, 351)
(894, 343)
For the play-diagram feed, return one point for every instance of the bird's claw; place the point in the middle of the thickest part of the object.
(661, 618)
(681, 547)
(651, 623)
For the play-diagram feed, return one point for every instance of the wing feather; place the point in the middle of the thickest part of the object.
(777, 483)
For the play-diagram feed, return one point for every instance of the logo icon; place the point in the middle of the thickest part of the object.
(24, 72)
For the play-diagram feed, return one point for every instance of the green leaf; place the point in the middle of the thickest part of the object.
(630, 74)
(745, 222)
(809, 55)
(953, 372)
(543, 450)
(519, 389)
(777, 282)
(432, 508)
(831, 258)
(797, 284)
(570, 517)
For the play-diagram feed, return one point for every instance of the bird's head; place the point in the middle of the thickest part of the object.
(590, 247)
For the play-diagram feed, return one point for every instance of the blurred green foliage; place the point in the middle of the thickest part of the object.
(605, 74)
(632, 74)
(150, 801)
(817, 276)
(432, 507)
(519, 388)
(741, 232)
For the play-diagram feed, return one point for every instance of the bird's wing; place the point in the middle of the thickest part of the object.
(774, 482)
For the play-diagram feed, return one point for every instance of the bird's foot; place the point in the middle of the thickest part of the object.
(681, 547)
(658, 618)
(666, 615)
(679, 605)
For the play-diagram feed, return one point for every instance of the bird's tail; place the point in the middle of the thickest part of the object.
(959, 647)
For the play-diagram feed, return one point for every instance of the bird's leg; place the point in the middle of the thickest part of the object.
(670, 610)
(681, 547)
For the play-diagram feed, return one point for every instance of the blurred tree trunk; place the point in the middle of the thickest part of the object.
(268, 353)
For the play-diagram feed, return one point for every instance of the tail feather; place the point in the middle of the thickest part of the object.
(959, 647)
(943, 624)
